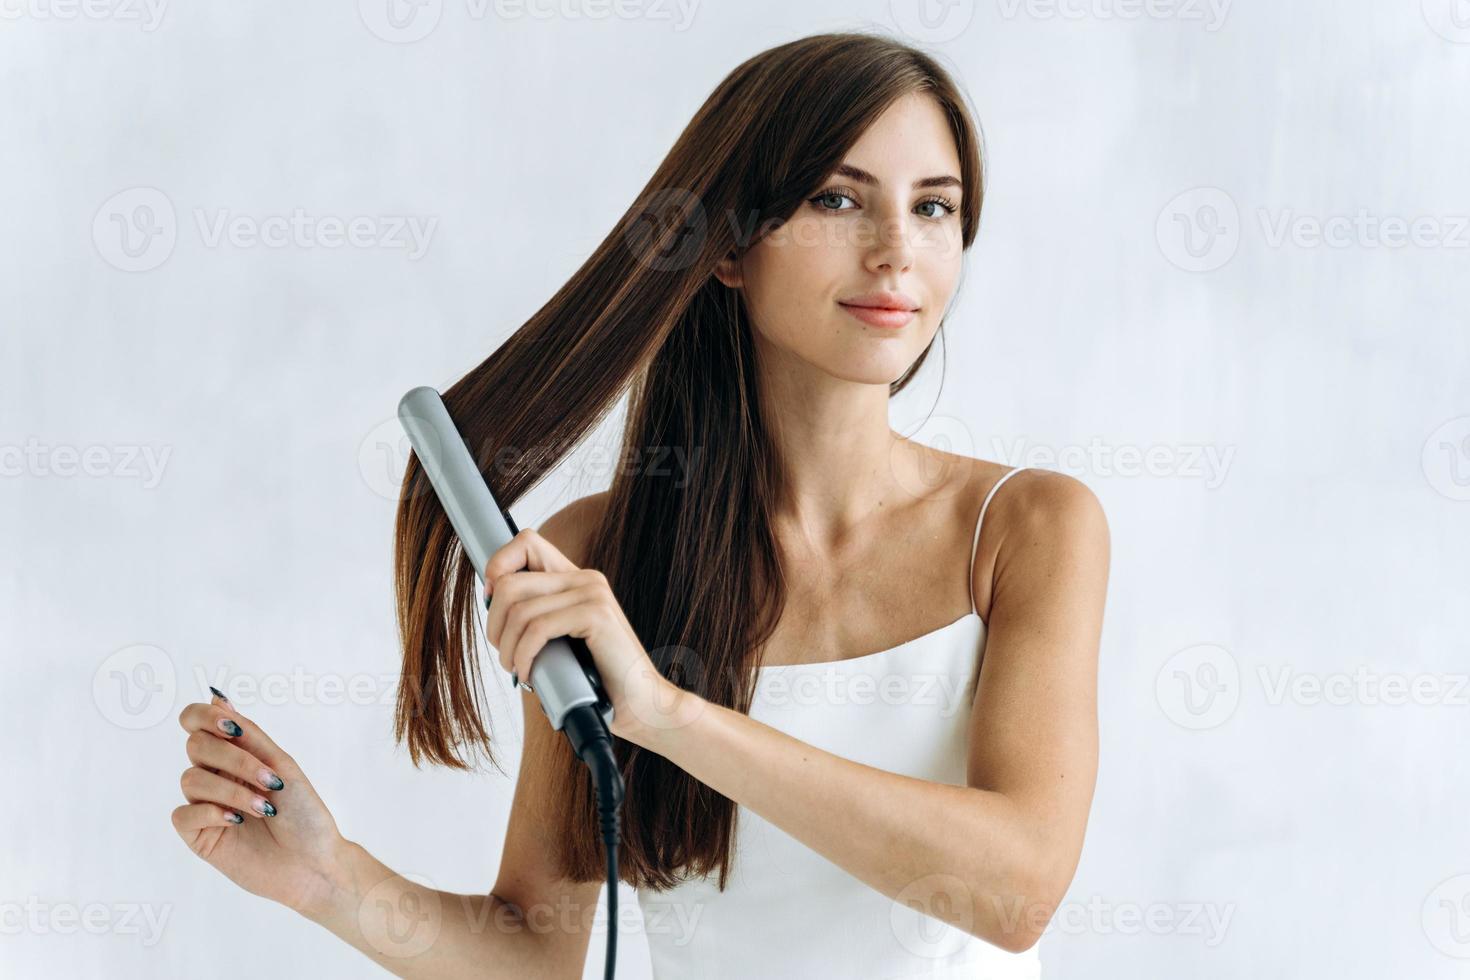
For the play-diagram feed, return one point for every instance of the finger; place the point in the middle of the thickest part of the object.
(200, 786)
(218, 697)
(527, 550)
(225, 721)
(572, 619)
(219, 719)
(197, 816)
(516, 589)
(229, 759)
(523, 612)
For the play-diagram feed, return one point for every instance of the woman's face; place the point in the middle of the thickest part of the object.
(883, 231)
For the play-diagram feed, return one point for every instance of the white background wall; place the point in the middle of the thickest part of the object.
(1303, 517)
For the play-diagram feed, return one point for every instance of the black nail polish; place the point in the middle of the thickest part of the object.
(231, 729)
(234, 817)
(218, 693)
(488, 597)
(270, 811)
(276, 782)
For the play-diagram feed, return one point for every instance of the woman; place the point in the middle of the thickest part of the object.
(782, 276)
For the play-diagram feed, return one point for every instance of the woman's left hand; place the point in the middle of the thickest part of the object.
(535, 594)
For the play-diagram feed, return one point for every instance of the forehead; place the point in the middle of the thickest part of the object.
(911, 139)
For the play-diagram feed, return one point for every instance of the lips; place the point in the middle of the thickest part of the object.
(877, 316)
(882, 300)
(881, 309)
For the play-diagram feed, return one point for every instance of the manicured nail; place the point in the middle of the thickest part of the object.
(270, 780)
(487, 600)
(264, 808)
(234, 817)
(228, 726)
(219, 694)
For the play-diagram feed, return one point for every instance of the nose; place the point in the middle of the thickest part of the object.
(891, 250)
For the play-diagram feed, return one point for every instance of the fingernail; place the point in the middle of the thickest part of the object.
(234, 817)
(264, 808)
(270, 780)
(219, 694)
(228, 726)
(487, 600)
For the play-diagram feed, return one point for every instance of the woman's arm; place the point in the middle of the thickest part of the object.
(996, 856)
(533, 924)
(418, 932)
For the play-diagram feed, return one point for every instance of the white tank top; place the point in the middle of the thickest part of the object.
(788, 913)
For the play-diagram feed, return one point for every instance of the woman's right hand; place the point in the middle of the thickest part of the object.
(280, 844)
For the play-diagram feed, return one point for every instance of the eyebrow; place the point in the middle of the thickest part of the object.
(863, 177)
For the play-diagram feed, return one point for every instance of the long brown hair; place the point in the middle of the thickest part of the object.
(692, 561)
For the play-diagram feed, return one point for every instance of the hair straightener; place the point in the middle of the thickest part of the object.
(563, 675)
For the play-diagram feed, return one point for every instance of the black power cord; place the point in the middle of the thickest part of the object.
(592, 742)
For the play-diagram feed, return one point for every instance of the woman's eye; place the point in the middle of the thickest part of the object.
(821, 200)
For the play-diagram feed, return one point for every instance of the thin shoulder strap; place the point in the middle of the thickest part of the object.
(974, 548)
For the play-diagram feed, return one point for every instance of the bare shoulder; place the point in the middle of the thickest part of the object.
(1038, 516)
(570, 528)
